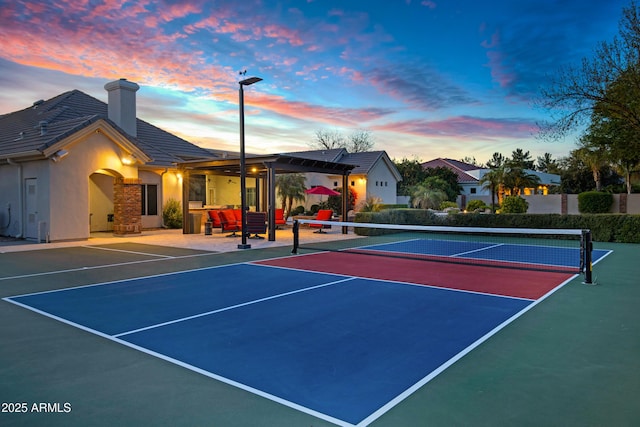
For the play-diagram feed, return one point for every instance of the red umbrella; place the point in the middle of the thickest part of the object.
(322, 190)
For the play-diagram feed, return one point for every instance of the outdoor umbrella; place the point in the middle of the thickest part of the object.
(322, 190)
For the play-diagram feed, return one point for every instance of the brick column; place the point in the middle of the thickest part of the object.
(127, 206)
(564, 204)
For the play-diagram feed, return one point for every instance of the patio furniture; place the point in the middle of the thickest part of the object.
(323, 215)
(256, 224)
(279, 218)
(228, 222)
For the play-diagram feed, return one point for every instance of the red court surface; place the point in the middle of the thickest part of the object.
(516, 283)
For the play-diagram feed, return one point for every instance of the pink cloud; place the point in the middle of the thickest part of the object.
(464, 127)
(283, 34)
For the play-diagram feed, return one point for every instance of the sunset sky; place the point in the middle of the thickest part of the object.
(433, 78)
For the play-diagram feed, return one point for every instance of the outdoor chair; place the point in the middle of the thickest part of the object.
(228, 222)
(279, 218)
(256, 224)
(323, 215)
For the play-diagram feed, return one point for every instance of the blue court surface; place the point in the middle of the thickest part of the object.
(344, 349)
(539, 255)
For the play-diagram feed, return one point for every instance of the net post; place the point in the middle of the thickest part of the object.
(296, 236)
(587, 247)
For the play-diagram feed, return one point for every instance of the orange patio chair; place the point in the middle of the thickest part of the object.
(279, 218)
(323, 215)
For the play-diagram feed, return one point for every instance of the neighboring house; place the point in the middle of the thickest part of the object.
(469, 177)
(73, 164)
(375, 174)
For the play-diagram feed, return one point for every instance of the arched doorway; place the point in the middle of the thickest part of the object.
(101, 200)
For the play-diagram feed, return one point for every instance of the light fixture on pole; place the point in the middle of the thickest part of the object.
(243, 172)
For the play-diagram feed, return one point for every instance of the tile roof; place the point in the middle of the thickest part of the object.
(69, 112)
(458, 167)
(363, 161)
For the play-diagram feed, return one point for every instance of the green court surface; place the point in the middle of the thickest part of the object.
(572, 360)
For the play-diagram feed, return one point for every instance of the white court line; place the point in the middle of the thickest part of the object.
(477, 250)
(193, 368)
(126, 252)
(409, 391)
(232, 307)
(397, 282)
(94, 267)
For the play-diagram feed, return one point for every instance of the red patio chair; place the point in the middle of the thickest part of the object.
(323, 215)
(279, 217)
(228, 222)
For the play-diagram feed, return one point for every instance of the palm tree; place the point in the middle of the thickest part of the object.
(290, 188)
(517, 179)
(424, 197)
(593, 158)
(492, 181)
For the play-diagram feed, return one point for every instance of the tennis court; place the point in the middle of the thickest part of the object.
(341, 337)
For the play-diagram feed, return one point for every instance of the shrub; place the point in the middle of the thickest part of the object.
(371, 204)
(448, 204)
(624, 228)
(594, 202)
(172, 214)
(514, 204)
(476, 205)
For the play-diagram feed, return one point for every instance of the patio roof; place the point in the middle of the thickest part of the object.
(265, 167)
(258, 165)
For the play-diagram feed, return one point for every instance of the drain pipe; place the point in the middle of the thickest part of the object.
(19, 165)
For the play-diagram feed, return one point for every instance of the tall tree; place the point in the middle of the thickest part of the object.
(547, 164)
(358, 141)
(574, 92)
(619, 141)
(594, 157)
(412, 174)
(521, 160)
(449, 178)
(328, 140)
(496, 161)
(492, 181)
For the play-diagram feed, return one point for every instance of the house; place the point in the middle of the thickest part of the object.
(469, 177)
(73, 165)
(374, 175)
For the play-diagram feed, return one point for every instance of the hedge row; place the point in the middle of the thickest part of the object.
(621, 228)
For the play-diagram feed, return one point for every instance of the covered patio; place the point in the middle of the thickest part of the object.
(263, 169)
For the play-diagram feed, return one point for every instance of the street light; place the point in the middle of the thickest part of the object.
(243, 172)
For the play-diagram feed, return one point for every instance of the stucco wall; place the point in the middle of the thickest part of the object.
(10, 220)
(69, 196)
(552, 203)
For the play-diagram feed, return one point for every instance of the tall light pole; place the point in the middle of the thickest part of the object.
(243, 171)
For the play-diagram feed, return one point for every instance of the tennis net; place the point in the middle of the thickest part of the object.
(556, 250)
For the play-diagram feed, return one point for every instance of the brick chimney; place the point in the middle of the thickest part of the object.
(122, 104)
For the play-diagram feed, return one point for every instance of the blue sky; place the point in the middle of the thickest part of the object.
(427, 78)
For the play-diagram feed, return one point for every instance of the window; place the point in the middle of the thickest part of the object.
(149, 199)
(472, 190)
(251, 196)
